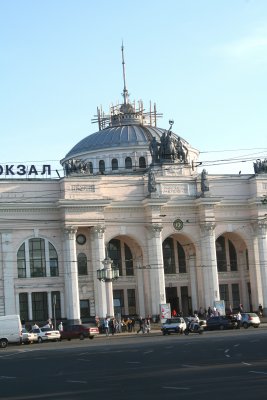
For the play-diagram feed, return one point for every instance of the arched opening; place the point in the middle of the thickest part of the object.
(142, 162)
(114, 164)
(128, 163)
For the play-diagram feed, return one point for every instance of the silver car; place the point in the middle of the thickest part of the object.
(250, 319)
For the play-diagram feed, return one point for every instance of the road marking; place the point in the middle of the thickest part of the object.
(245, 363)
(175, 388)
(133, 362)
(83, 359)
(236, 345)
(258, 372)
(149, 351)
(7, 377)
(76, 381)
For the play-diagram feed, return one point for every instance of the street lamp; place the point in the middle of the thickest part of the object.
(108, 273)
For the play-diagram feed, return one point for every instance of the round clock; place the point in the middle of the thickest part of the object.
(178, 224)
(80, 239)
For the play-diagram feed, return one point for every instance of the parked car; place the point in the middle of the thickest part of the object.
(79, 332)
(46, 334)
(250, 319)
(221, 322)
(28, 337)
(173, 325)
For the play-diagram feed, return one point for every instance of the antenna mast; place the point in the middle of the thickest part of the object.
(125, 91)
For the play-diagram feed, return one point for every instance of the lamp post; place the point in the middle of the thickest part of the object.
(108, 274)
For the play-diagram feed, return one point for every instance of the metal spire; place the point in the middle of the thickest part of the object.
(125, 91)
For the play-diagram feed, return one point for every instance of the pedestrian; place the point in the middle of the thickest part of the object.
(141, 325)
(260, 310)
(238, 319)
(60, 327)
(106, 326)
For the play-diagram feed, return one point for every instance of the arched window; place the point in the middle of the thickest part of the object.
(221, 254)
(128, 260)
(128, 163)
(181, 258)
(82, 264)
(232, 256)
(168, 256)
(37, 252)
(114, 164)
(90, 164)
(101, 166)
(121, 255)
(173, 253)
(142, 162)
(226, 254)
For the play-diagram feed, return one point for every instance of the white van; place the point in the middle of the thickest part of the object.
(10, 330)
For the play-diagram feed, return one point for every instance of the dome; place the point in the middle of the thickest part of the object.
(116, 137)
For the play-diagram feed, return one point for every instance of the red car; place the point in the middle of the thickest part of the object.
(78, 332)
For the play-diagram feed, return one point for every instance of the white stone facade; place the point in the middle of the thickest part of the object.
(108, 207)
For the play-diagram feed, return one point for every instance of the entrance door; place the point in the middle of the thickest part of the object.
(172, 298)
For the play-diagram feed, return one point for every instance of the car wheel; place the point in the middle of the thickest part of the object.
(81, 336)
(91, 337)
(221, 327)
(40, 340)
(186, 332)
(3, 343)
(245, 325)
(164, 333)
(256, 326)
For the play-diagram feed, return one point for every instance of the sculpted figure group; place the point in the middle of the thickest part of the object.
(260, 167)
(76, 167)
(169, 148)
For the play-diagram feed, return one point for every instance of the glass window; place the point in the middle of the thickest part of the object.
(119, 304)
(21, 262)
(37, 257)
(181, 258)
(23, 306)
(101, 166)
(247, 262)
(142, 162)
(235, 295)
(55, 301)
(224, 294)
(90, 164)
(53, 260)
(232, 256)
(128, 163)
(114, 252)
(39, 306)
(82, 264)
(168, 256)
(128, 260)
(221, 254)
(85, 308)
(114, 164)
(131, 301)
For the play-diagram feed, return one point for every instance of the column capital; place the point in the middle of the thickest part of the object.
(70, 231)
(98, 231)
(207, 228)
(155, 230)
(260, 228)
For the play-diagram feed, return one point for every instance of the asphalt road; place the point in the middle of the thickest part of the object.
(216, 365)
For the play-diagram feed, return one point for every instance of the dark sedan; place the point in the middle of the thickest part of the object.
(221, 322)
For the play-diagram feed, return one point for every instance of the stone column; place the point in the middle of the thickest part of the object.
(193, 280)
(8, 260)
(209, 265)
(98, 255)
(262, 246)
(30, 305)
(157, 278)
(71, 277)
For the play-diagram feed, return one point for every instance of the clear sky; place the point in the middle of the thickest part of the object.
(202, 61)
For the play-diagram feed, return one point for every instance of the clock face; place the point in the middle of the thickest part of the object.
(80, 239)
(178, 224)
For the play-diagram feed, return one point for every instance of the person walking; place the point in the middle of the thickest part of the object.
(238, 319)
